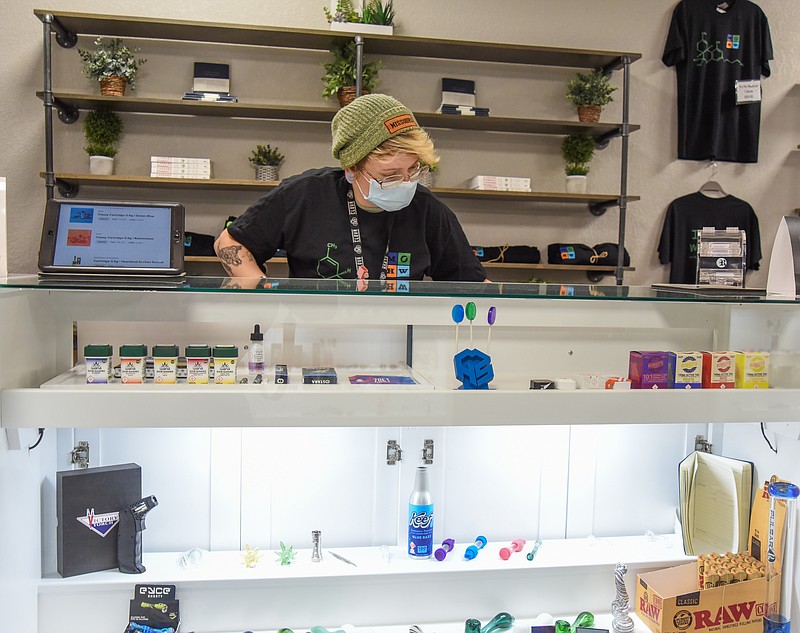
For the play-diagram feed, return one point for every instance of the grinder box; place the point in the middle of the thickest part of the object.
(88, 504)
(669, 601)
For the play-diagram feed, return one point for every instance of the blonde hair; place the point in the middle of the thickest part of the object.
(415, 142)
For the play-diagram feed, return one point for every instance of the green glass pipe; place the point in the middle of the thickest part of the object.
(585, 620)
(500, 622)
(472, 626)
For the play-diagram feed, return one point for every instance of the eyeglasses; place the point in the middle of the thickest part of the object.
(390, 182)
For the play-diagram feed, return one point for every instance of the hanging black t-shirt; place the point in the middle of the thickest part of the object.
(711, 51)
(687, 215)
(307, 215)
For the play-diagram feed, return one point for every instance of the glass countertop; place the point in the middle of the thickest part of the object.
(661, 292)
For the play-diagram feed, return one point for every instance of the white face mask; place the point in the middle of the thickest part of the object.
(393, 199)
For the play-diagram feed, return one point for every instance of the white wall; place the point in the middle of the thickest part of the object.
(771, 185)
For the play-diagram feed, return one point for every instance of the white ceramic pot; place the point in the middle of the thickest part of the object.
(576, 184)
(101, 165)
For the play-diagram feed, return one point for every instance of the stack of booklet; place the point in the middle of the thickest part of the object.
(177, 167)
(715, 495)
(458, 97)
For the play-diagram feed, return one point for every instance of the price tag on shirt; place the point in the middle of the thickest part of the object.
(748, 91)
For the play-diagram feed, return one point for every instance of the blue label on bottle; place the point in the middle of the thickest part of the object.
(420, 531)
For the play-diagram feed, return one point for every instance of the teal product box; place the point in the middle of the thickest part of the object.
(651, 370)
(687, 370)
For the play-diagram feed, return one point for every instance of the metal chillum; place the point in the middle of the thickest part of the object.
(316, 551)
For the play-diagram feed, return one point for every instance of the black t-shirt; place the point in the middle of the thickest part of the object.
(711, 50)
(307, 215)
(687, 215)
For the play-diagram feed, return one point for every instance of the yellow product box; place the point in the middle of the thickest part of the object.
(752, 370)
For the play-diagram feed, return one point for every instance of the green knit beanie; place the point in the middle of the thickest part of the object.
(365, 123)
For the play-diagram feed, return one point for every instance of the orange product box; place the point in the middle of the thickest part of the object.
(719, 370)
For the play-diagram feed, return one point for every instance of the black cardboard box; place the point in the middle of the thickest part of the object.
(88, 504)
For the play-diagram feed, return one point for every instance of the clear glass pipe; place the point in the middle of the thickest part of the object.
(780, 590)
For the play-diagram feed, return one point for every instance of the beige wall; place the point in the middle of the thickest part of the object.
(292, 77)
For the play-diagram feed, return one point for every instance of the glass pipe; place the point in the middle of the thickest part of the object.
(500, 622)
(472, 550)
(516, 546)
(446, 548)
(532, 554)
(472, 626)
(585, 620)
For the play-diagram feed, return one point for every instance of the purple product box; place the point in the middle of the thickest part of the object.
(651, 370)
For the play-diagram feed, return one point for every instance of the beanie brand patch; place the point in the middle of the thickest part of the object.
(399, 123)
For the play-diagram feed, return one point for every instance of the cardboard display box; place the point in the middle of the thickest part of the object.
(668, 601)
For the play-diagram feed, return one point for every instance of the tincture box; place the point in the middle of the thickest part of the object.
(719, 370)
(688, 368)
(752, 370)
(650, 370)
(319, 376)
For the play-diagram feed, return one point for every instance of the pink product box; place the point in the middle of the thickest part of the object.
(650, 370)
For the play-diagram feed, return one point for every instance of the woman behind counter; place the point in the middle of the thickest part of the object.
(367, 220)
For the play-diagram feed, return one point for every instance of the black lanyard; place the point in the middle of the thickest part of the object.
(355, 234)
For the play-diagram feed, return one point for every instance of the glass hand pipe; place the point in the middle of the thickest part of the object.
(500, 622)
(472, 626)
(532, 554)
(472, 550)
(516, 546)
(584, 620)
(447, 546)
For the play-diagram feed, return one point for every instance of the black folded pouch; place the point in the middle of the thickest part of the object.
(198, 244)
(508, 254)
(606, 254)
(569, 254)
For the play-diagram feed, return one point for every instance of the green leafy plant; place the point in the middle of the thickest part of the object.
(102, 129)
(112, 58)
(378, 12)
(286, 554)
(262, 155)
(341, 71)
(577, 151)
(590, 89)
(345, 12)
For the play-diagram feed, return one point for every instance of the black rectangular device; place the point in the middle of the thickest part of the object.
(106, 237)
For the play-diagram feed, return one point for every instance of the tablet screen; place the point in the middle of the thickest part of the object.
(89, 236)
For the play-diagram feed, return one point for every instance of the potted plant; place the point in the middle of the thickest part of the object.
(102, 129)
(590, 92)
(266, 160)
(340, 74)
(377, 17)
(113, 64)
(577, 151)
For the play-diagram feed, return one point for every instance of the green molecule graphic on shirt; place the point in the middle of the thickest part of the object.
(328, 267)
(706, 54)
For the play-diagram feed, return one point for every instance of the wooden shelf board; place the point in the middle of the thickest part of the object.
(282, 260)
(230, 184)
(254, 35)
(222, 184)
(147, 105)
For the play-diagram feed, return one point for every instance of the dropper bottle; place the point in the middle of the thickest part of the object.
(255, 355)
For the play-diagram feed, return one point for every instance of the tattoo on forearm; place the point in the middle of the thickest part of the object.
(229, 256)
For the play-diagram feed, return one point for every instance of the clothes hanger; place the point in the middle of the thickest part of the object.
(711, 188)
